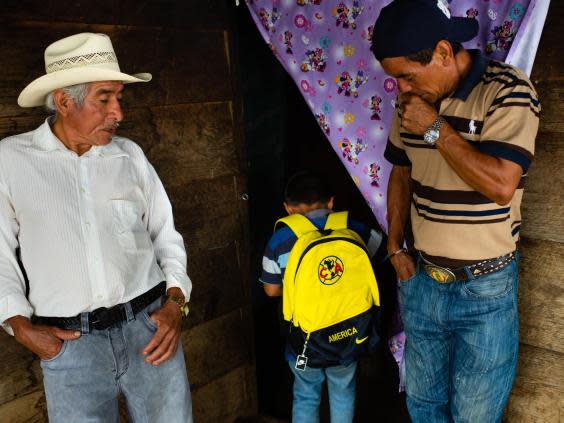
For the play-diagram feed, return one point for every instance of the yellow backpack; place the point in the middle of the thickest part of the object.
(330, 293)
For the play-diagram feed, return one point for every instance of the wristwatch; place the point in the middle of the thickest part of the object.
(432, 133)
(181, 303)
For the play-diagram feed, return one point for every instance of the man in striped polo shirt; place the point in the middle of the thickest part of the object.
(461, 143)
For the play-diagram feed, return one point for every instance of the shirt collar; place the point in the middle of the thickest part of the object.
(45, 140)
(314, 214)
(479, 65)
(113, 149)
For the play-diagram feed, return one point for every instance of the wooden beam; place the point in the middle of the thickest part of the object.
(216, 347)
(541, 295)
(194, 142)
(181, 62)
(20, 373)
(218, 286)
(30, 408)
(226, 397)
(542, 208)
(190, 14)
(538, 393)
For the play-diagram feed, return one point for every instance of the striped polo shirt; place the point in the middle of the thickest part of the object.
(496, 109)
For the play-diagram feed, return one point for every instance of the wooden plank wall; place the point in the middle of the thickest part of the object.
(538, 393)
(188, 121)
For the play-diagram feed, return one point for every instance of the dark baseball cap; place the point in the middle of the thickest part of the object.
(405, 27)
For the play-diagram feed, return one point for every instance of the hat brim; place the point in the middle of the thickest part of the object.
(34, 94)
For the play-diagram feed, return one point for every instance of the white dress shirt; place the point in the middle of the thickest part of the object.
(93, 230)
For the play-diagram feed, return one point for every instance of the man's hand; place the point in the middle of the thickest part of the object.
(416, 114)
(404, 265)
(164, 343)
(45, 341)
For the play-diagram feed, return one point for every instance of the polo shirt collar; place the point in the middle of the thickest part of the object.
(479, 65)
(45, 140)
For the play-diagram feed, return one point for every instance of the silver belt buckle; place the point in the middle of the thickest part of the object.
(438, 273)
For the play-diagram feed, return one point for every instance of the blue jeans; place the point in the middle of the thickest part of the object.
(461, 346)
(308, 384)
(83, 380)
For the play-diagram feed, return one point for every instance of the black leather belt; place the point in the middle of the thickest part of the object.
(483, 267)
(103, 318)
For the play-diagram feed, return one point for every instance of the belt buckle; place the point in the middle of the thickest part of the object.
(106, 317)
(98, 317)
(438, 273)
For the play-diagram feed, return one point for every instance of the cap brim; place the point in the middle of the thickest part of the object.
(34, 94)
(463, 29)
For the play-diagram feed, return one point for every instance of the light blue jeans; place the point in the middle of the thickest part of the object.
(308, 384)
(83, 381)
(461, 346)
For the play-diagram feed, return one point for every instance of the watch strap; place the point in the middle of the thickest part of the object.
(438, 123)
(181, 303)
(432, 133)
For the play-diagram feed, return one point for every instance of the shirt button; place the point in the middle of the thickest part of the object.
(99, 296)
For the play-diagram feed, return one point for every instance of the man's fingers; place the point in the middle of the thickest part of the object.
(404, 265)
(154, 342)
(162, 348)
(170, 351)
(163, 344)
(48, 353)
(167, 355)
(66, 335)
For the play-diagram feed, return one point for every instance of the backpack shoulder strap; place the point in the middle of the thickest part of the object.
(337, 220)
(299, 224)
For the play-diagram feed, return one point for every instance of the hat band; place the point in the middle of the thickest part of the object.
(82, 60)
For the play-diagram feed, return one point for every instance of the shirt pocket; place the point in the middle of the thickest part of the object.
(128, 226)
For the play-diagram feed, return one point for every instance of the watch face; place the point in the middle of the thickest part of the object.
(184, 310)
(431, 136)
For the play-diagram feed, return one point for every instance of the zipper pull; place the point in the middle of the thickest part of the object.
(301, 360)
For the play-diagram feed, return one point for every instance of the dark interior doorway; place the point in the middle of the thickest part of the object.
(282, 137)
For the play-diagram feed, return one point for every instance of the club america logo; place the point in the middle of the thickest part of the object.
(331, 269)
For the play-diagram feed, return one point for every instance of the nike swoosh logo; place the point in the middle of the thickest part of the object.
(361, 340)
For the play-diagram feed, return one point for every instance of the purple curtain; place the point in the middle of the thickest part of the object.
(325, 46)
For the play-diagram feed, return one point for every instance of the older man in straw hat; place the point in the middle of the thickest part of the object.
(106, 268)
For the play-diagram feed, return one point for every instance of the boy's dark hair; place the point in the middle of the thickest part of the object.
(424, 57)
(307, 188)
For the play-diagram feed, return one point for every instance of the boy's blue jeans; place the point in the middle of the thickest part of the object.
(461, 346)
(83, 381)
(308, 385)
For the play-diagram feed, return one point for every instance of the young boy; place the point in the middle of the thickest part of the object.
(309, 194)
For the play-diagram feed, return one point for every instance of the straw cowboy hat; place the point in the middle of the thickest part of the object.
(74, 60)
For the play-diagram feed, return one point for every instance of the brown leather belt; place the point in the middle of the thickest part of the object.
(483, 267)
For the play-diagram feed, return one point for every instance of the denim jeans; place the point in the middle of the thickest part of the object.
(308, 384)
(461, 346)
(83, 380)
